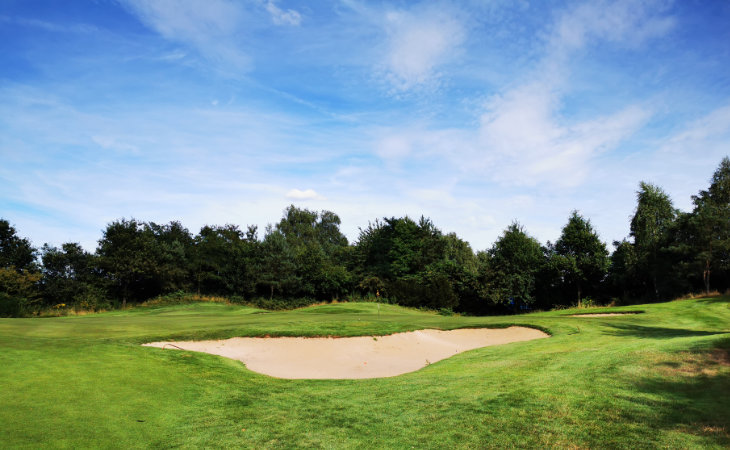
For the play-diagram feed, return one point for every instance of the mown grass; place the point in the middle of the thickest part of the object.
(656, 379)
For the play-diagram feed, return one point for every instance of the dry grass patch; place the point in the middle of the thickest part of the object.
(690, 364)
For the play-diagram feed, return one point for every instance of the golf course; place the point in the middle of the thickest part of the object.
(657, 378)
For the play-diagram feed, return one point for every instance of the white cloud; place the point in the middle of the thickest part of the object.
(629, 22)
(418, 43)
(523, 138)
(307, 194)
(713, 125)
(524, 141)
(281, 17)
(210, 26)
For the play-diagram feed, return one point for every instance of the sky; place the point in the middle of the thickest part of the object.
(473, 113)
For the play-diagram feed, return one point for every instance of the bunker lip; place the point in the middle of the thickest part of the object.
(353, 357)
(609, 314)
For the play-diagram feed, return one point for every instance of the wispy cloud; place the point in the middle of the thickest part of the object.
(626, 22)
(281, 17)
(712, 126)
(51, 26)
(210, 26)
(419, 42)
(523, 138)
(523, 131)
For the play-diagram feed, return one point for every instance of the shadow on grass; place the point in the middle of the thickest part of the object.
(713, 300)
(643, 331)
(694, 388)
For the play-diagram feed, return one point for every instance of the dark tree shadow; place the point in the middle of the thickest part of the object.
(713, 300)
(694, 392)
(642, 331)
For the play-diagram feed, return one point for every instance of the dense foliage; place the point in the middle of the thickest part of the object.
(306, 258)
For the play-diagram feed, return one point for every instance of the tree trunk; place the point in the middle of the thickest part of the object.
(271, 296)
(706, 276)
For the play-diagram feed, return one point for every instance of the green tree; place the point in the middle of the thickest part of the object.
(395, 248)
(622, 273)
(224, 260)
(416, 262)
(317, 246)
(69, 274)
(710, 224)
(654, 215)
(514, 262)
(18, 291)
(278, 269)
(19, 274)
(173, 253)
(15, 251)
(580, 257)
(127, 256)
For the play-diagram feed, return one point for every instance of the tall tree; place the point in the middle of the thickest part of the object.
(18, 272)
(225, 260)
(515, 259)
(69, 273)
(127, 256)
(414, 260)
(711, 224)
(399, 247)
(654, 215)
(16, 252)
(317, 246)
(173, 254)
(581, 256)
(277, 270)
(622, 275)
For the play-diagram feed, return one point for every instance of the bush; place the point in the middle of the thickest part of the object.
(11, 306)
(373, 286)
(91, 300)
(183, 298)
(275, 303)
(434, 293)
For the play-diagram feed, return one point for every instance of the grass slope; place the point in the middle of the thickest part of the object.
(656, 379)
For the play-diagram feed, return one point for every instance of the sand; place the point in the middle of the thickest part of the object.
(355, 357)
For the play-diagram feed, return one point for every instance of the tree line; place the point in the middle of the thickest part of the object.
(305, 258)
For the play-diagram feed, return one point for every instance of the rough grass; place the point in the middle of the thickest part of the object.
(657, 379)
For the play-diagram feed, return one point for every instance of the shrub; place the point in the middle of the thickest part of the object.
(434, 293)
(91, 300)
(11, 306)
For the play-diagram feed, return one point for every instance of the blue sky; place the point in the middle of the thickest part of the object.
(473, 113)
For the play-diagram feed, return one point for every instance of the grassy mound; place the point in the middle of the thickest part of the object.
(656, 379)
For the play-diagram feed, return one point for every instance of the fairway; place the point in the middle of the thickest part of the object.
(656, 379)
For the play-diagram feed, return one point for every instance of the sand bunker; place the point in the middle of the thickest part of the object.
(355, 357)
(604, 314)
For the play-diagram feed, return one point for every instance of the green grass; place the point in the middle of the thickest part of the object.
(656, 379)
